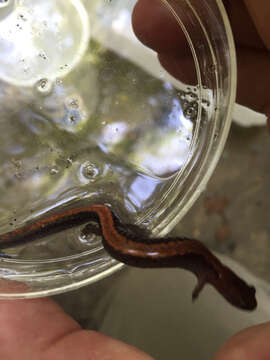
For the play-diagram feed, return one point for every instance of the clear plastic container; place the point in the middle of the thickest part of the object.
(89, 115)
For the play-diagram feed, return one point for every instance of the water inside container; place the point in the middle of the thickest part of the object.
(88, 115)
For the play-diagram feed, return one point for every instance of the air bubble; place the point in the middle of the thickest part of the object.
(54, 171)
(69, 163)
(59, 82)
(43, 55)
(44, 86)
(74, 119)
(73, 103)
(22, 17)
(88, 238)
(191, 111)
(190, 96)
(212, 68)
(4, 3)
(205, 103)
(185, 105)
(89, 172)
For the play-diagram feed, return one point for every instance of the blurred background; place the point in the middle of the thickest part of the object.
(152, 309)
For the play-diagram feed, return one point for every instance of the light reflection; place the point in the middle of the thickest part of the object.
(167, 151)
(121, 23)
(33, 33)
(114, 133)
(167, 158)
(141, 190)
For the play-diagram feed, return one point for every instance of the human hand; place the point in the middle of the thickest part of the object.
(156, 27)
(40, 330)
(250, 344)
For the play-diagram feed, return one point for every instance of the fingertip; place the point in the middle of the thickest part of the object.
(249, 344)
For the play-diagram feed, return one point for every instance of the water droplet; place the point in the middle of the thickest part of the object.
(44, 86)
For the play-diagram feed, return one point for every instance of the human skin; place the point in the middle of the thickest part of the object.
(158, 29)
(39, 329)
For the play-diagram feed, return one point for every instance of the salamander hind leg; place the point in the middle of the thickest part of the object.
(202, 280)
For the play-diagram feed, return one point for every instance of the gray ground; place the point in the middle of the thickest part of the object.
(231, 217)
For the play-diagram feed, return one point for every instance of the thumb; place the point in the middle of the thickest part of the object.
(250, 344)
(40, 329)
(260, 12)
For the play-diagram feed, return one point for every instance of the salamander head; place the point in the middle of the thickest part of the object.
(237, 291)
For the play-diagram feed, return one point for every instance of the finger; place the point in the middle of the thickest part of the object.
(250, 344)
(156, 27)
(244, 30)
(39, 329)
(31, 323)
(260, 13)
(91, 345)
(181, 68)
(254, 85)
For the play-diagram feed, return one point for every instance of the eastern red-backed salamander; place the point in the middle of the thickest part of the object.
(123, 244)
